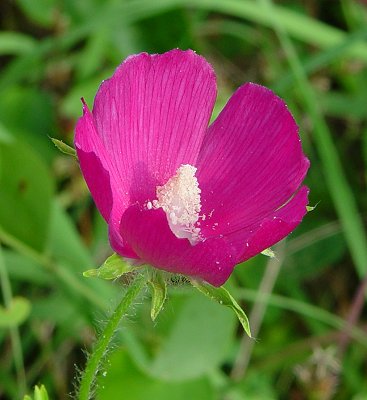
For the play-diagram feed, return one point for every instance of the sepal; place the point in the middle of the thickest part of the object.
(114, 267)
(311, 208)
(40, 393)
(158, 286)
(64, 148)
(223, 297)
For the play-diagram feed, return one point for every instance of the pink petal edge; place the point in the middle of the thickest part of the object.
(101, 179)
(93, 161)
(251, 161)
(152, 115)
(149, 235)
(272, 229)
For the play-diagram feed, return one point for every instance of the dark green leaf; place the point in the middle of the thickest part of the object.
(28, 114)
(25, 196)
(42, 12)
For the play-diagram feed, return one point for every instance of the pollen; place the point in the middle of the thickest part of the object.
(180, 199)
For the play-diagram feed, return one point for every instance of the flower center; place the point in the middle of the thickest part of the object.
(180, 200)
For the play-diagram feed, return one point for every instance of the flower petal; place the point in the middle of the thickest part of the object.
(271, 229)
(93, 163)
(100, 177)
(149, 235)
(152, 115)
(251, 161)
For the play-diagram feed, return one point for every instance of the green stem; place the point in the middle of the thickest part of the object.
(22, 248)
(95, 359)
(14, 332)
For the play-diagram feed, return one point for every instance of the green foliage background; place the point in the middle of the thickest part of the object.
(307, 307)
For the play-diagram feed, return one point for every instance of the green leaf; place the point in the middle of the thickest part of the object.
(5, 135)
(16, 43)
(40, 393)
(65, 243)
(112, 268)
(223, 297)
(42, 12)
(26, 191)
(297, 25)
(15, 314)
(64, 148)
(33, 125)
(67, 249)
(122, 376)
(159, 293)
(24, 269)
(195, 339)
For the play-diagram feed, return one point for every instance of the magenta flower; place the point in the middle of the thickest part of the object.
(177, 194)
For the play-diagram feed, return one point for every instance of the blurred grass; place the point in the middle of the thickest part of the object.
(314, 56)
(338, 186)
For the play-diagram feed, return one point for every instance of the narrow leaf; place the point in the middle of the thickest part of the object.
(64, 148)
(223, 297)
(112, 268)
(159, 294)
(13, 43)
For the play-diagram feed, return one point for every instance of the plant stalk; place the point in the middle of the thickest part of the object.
(96, 358)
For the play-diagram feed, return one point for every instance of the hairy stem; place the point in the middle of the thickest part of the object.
(96, 357)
